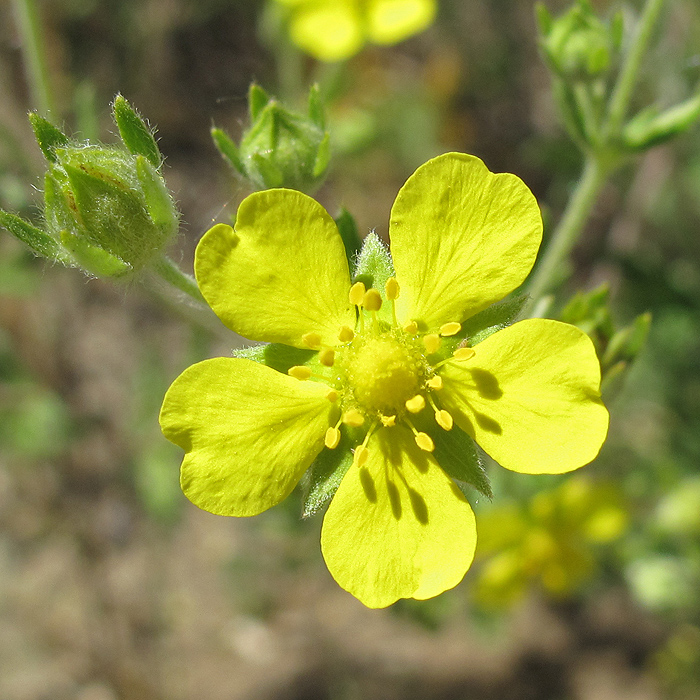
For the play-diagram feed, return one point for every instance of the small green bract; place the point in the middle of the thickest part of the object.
(381, 370)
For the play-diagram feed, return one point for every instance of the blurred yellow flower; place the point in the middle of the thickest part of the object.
(333, 30)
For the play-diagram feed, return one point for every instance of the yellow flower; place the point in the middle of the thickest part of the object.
(382, 371)
(333, 30)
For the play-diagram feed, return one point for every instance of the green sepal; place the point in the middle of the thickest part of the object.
(47, 136)
(349, 233)
(492, 319)
(617, 30)
(649, 128)
(323, 477)
(323, 156)
(374, 265)
(271, 174)
(158, 202)
(39, 241)
(459, 458)
(94, 259)
(590, 311)
(228, 149)
(135, 133)
(628, 342)
(57, 213)
(317, 110)
(257, 101)
(276, 355)
(544, 18)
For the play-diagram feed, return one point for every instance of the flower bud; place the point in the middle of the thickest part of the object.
(281, 148)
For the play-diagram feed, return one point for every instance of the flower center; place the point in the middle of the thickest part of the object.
(383, 373)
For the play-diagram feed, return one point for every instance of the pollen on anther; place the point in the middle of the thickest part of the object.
(332, 438)
(346, 334)
(299, 372)
(444, 419)
(425, 442)
(311, 340)
(432, 343)
(464, 353)
(353, 418)
(357, 293)
(451, 328)
(411, 327)
(372, 300)
(435, 382)
(392, 289)
(415, 404)
(327, 357)
(388, 421)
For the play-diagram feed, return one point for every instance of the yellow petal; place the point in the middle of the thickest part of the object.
(391, 21)
(462, 238)
(530, 397)
(248, 432)
(281, 274)
(397, 527)
(329, 31)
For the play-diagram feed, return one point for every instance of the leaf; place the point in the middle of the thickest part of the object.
(135, 133)
(458, 456)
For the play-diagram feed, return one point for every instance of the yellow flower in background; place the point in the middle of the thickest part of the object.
(550, 541)
(388, 373)
(333, 30)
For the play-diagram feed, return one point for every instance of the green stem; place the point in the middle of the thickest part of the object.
(38, 75)
(549, 270)
(173, 275)
(622, 92)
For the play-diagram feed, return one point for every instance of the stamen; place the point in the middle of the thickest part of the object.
(392, 289)
(423, 440)
(451, 328)
(432, 343)
(332, 438)
(332, 395)
(444, 419)
(353, 418)
(361, 452)
(411, 327)
(416, 404)
(299, 372)
(464, 353)
(372, 300)
(357, 293)
(327, 357)
(388, 421)
(435, 382)
(346, 334)
(311, 340)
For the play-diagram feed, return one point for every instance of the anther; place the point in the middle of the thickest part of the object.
(361, 455)
(299, 372)
(388, 421)
(332, 438)
(451, 328)
(411, 327)
(425, 442)
(392, 289)
(327, 357)
(464, 353)
(435, 382)
(444, 419)
(346, 334)
(416, 404)
(353, 418)
(311, 340)
(357, 294)
(372, 300)
(432, 343)
(332, 395)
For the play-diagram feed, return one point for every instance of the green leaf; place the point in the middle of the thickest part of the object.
(374, 265)
(135, 133)
(158, 202)
(47, 136)
(39, 241)
(348, 232)
(458, 456)
(323, 477)
(257, 100)
(492, 319)
(228, 149)
(648, 128)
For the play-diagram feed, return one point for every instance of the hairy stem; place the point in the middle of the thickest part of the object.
(165, 268)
